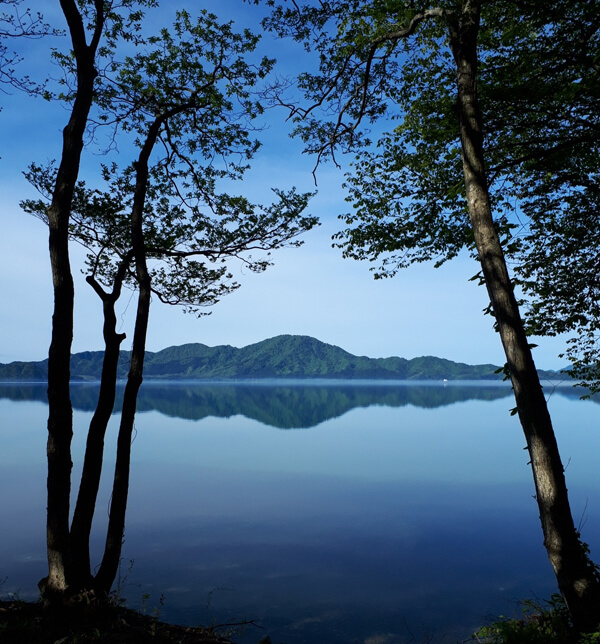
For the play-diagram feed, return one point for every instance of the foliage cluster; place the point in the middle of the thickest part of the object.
(16, 22)
(541, 622)
(540, 89)
(191, 92)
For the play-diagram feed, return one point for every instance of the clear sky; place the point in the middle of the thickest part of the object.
(309, 291)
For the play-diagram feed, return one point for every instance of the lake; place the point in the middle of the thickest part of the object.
(334, 513)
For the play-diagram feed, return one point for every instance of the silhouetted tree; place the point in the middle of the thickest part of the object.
(165, 225)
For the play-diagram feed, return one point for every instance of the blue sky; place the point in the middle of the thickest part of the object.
(309, 291)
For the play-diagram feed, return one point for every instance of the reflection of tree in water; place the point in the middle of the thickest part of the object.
(285, 406)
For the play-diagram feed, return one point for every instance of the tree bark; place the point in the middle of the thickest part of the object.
(116, 524)
(60, 413)
(81, 525)
(576, 576)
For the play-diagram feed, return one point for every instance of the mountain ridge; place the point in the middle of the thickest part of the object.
(283, 356)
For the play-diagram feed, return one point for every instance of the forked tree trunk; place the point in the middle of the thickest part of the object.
(576, 576)
(116, 524)
(81, 525)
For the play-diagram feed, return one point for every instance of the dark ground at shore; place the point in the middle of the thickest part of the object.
(28, 623)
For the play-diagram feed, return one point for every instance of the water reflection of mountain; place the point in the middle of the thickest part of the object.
(282, 405)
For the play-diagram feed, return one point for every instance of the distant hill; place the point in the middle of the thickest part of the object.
(285, 356)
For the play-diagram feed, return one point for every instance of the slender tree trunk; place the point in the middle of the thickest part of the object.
(576, 577)
(116, 524)
(60, 415)
(92, 467)
(60, 418)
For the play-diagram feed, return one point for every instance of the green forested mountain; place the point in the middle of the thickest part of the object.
(285, 356)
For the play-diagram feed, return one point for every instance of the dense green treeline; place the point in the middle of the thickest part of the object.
(285, 356)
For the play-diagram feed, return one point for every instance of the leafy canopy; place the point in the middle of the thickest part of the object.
(385, 92)
(189, 100)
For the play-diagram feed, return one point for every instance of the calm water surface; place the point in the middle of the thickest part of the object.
(336, 513)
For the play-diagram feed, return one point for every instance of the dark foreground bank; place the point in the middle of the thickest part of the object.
(540, 622)
(22, 622)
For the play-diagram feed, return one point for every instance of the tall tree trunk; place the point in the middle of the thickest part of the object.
(60, 417)
(60, 414)
(81, 525)
(116, 524)
(576, 576)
